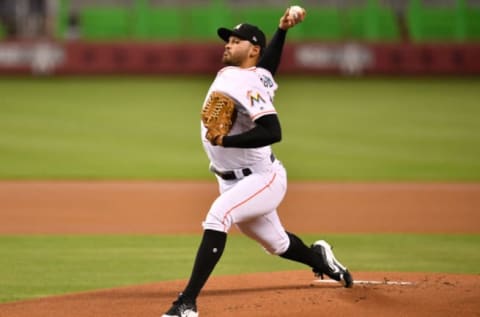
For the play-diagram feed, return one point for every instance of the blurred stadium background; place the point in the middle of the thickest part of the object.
(371, 91)
(390, 87)
(166, 36)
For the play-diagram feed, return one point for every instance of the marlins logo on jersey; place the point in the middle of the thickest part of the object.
(254, 97)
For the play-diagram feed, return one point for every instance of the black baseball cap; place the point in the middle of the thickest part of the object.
(244, 31)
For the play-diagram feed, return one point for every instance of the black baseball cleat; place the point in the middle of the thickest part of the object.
(331, 267)
(182, 307)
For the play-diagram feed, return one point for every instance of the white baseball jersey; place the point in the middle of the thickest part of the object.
(250, 203)
(253, 90)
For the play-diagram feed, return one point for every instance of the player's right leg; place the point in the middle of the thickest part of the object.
(208, 254)
(182, 307)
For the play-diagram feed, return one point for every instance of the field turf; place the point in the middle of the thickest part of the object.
(38, 266)
(148, 128)
(334, 129)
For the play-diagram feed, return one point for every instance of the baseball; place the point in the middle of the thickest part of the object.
(296, 12)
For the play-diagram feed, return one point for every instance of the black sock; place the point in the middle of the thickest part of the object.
(208, 255)
(297, 251)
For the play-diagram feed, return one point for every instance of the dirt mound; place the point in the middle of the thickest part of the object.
(70, 207)
(275, 294)
(161, 207)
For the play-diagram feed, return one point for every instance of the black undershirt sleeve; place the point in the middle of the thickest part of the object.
(267, 131)
(267, 128)
(272, 54)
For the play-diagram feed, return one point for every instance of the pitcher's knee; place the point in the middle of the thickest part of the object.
(278, 246)
(214, 222)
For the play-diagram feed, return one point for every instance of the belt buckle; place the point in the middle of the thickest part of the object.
(234, 174)
(239, 174)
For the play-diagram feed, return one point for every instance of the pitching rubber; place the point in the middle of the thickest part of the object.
(365, 282)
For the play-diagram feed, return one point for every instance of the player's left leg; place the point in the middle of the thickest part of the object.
(269, 232)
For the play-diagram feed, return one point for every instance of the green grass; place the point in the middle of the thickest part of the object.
(101, 128)
(148, 128)
(37, 266)
(383, 129)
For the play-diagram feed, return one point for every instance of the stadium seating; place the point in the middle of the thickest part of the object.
(443, 23)
(265, 17)
(2, 31)
(100, 23)
(372, 22)
(469, 19)
(202, 22)
(62, 18)
(322, 24)
(157, 23)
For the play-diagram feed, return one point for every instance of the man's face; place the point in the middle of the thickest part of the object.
(237, 51)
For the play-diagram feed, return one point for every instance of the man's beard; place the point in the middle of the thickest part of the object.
(229, 61)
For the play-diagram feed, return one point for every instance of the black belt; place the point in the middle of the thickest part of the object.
(230, 175)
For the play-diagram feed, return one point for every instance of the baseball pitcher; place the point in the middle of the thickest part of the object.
(239, 123)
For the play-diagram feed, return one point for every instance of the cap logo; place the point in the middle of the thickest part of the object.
(238, 27)
(254, 38)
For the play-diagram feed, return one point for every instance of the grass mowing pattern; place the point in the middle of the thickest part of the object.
(37, 266)
(148, 128)
(94, 128)
(381, 129)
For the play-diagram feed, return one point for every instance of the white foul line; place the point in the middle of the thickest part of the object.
(385, 282)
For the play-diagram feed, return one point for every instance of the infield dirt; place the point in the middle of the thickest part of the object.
(159, 207)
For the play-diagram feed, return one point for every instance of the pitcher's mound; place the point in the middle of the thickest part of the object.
(276, 294)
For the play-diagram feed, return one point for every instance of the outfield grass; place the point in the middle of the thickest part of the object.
(38, 266)
(148, 128)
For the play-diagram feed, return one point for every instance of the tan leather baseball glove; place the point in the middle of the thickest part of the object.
(218, 116)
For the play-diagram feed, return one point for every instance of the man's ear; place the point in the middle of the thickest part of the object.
(255, 51)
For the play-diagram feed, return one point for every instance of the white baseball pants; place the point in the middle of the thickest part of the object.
(251, 204)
